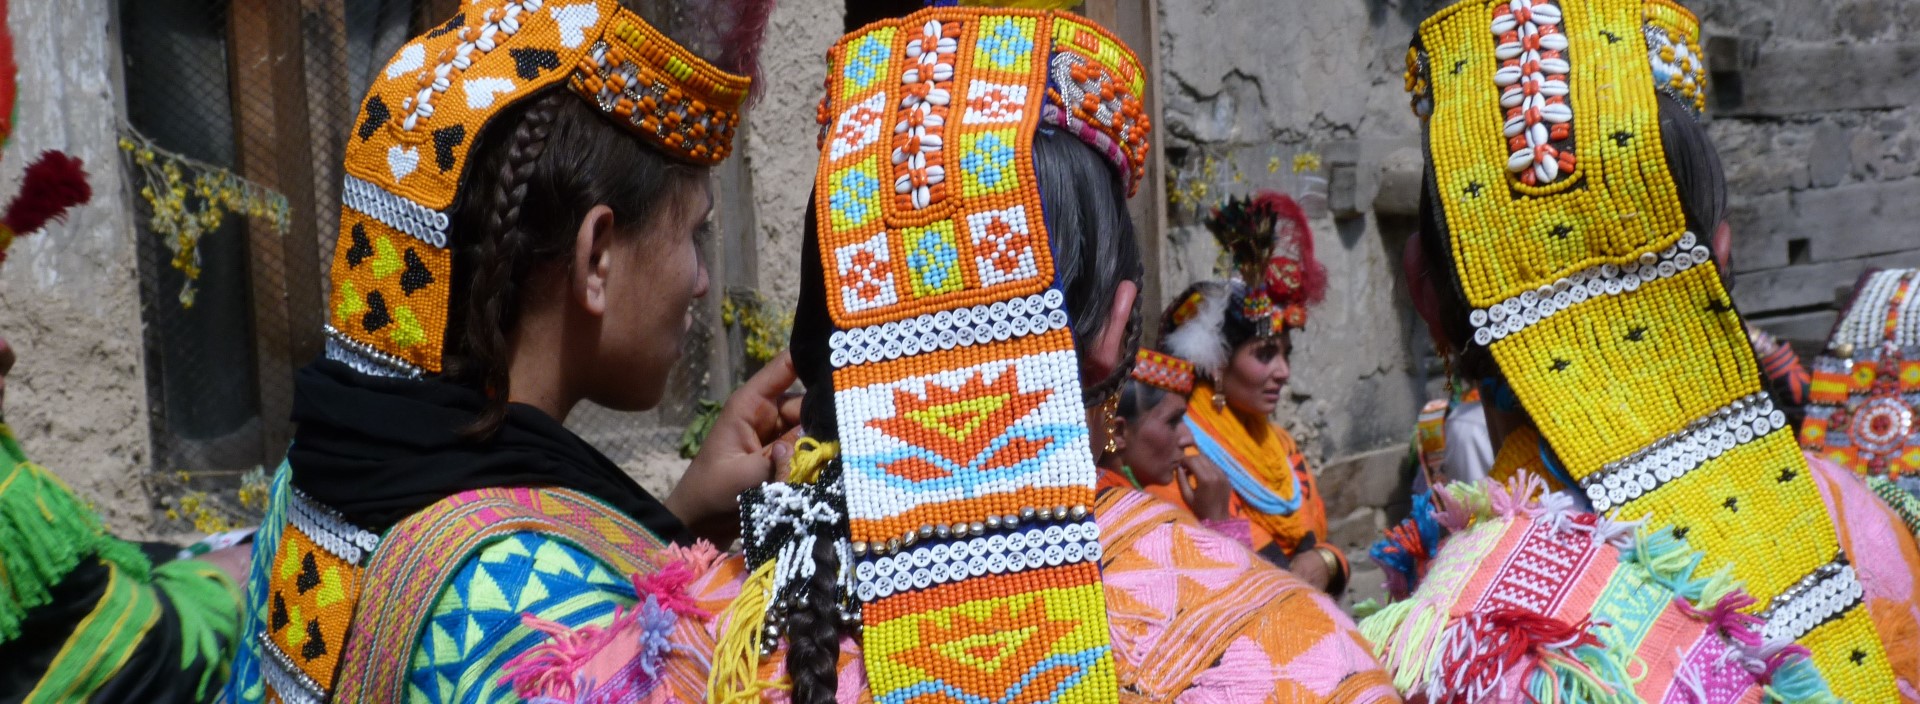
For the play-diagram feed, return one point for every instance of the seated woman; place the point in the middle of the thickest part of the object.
(443, 538)
(1149, 439)
(1695, 552)
(1238, 334)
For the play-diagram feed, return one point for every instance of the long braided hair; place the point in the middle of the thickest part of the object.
(537, 170)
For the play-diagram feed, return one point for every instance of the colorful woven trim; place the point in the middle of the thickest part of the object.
(408, 152)
(1163, 371)
(1866, 388)
(419, 556)
(1513, 609)
(964, 443)
(1599, 306)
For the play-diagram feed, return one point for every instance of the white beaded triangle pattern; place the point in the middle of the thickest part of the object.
(1517, 313)
(1864, 326)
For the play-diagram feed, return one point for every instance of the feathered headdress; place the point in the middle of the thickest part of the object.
(1272, 249)
(53, 184)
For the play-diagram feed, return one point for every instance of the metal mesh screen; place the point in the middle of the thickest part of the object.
(267, 91)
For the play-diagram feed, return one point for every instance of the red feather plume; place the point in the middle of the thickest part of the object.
(53, 183)
(1292, 238)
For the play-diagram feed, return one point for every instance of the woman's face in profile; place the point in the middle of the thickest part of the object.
(1256, 373)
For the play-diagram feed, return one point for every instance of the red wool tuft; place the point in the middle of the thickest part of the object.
(744, 38)
(1293, 236)
(51, 185)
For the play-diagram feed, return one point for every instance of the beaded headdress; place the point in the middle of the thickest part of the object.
(1163, 371)
(408, 151)
(1273, 278)
(1866, 386)
(968, 471)
(1569, 243)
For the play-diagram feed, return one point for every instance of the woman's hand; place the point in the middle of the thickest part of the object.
(743, 450)
(1205, 488)
(1313, 568)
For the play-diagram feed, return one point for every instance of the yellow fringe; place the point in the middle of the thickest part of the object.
(809, 455)
(736, 657)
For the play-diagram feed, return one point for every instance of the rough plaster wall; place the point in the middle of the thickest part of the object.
(780, 152)
(69, 296)
(1250, 81)
(782, 144)
(1815, 117)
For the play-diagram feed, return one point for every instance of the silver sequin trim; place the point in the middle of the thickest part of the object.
(1669, 458)
(922, 567)
(293, 686)
(1518, 313)
(1817, 598)
(423, 223)
(947, 329)
(329, 529)
(365, 359)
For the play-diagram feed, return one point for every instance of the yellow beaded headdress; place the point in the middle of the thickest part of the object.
(408, 151)
(1604, 313)
(1163, 371)
(1866, 387)
(968, 471)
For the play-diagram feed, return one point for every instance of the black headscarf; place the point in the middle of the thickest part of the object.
(378, 449)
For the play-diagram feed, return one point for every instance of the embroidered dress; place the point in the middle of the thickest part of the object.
(1272, 488)
(85, 616)
(1184, 618)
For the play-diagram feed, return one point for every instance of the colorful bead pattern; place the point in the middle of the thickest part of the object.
(1163, 371)
(1866, 387)
(1673, 47)
(781, 522)
(312, 587)
(1533, 88)
(1617, 382)
(964, 445)
(392, 264)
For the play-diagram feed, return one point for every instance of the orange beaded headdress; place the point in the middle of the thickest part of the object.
(1163, 371)
(968, 472)
(1603, 312)
(408, 152)
(1860, 412)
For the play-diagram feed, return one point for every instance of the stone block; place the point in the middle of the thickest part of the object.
(1809, 285)
(1801, 329)
(1801, 78)
(1859, 220)
(1367, 480)
(1831, 157)
(1762, 227)
(1400, 176)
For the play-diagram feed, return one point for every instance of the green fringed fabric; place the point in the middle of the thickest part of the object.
(206, 602)
(45, 530)
(1900, 500)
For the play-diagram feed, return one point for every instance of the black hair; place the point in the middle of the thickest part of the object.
(534, 172)
(1084, 206)
(1136, 397)
(1699, 180)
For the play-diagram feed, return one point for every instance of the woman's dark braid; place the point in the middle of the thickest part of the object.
(500, 257)
(813, 632)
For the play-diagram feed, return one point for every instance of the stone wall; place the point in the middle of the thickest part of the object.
(69, 296)
(1250, 87)
(1814, 112)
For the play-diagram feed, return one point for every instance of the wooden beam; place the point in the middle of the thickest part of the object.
(1137, 22)
(268, 81)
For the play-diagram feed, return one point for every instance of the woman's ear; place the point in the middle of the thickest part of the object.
(1119, 435)
(1104, 356)
(591, 265)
